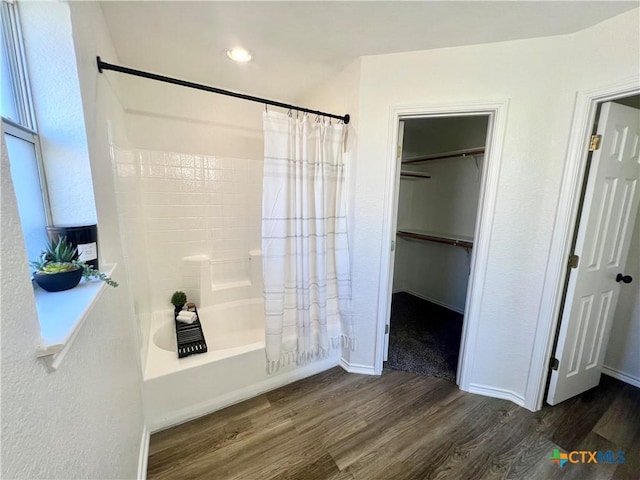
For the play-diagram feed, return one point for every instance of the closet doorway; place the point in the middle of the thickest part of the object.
(439, 183)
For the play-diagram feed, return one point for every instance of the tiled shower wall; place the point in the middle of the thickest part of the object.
(173, 205)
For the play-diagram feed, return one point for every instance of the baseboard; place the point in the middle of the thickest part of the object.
(144, 454)
(624, 377)
(497, 393)
(355, 368)
(433, 300)
(240, 395)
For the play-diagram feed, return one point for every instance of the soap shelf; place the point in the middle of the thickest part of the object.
(190, 337)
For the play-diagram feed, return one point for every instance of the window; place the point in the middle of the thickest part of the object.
(21, 137)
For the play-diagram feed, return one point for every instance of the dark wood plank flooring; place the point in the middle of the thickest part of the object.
(340, 426)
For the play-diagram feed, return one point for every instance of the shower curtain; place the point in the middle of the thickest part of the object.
(307, 278)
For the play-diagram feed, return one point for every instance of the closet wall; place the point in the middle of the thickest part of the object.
(446, 204)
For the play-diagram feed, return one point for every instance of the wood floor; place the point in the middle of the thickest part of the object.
(340, 426)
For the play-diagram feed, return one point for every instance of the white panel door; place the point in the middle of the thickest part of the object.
(393, 241)
(602, 243)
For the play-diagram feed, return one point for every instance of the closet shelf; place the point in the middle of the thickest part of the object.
(413, 174)
(455, 240)
(442, 156)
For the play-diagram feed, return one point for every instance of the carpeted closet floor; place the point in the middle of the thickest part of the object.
(424, 337)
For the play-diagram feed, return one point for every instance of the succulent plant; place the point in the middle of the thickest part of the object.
(61, 251)
(61, 256)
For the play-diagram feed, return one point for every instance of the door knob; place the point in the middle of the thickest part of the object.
(623, 278)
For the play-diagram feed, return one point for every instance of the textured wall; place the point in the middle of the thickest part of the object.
(58, 108)
(84, 420)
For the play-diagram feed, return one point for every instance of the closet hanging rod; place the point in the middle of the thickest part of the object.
(435, 238)
(441, 157)
(184, 83)
(404, 173)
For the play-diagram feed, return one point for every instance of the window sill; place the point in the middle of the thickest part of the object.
(62, 314)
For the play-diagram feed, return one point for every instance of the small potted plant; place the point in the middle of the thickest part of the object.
(178, 299)
(58, 268)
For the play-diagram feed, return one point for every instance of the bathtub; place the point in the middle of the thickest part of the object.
(230, 329)
(233, 369)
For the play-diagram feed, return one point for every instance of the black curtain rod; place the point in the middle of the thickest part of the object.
(183, 83)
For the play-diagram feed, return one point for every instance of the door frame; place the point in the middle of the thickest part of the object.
(564, 226)
(497, 112)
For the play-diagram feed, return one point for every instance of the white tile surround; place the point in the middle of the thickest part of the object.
(174, 205)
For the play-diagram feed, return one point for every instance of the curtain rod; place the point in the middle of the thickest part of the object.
(183, 83)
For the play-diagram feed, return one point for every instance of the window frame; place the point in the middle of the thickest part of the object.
(13, 39)
(25, 128)
(29, 136)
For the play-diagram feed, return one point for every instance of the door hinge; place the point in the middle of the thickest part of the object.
(386, 329)
(573, 261)
(399, 151)
(393, 245)
(555, 363)
(594, 144)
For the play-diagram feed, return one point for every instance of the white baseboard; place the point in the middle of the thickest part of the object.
(276, 381)
(624, 377)
(432, 300)
(497, 393)
(355, 368)
(144, 454)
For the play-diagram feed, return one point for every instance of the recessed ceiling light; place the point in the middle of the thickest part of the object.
(239, 55)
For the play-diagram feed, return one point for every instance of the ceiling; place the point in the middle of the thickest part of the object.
(299, 44)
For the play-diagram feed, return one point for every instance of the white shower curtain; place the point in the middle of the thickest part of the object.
(307, 279)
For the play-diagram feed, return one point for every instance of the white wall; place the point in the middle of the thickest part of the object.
(105, 126)
(74, 422)
(170, 118)
(71, 423)
(540, 78)
(623, 349)
(448, 201)
(435, 272)
(58, 109)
